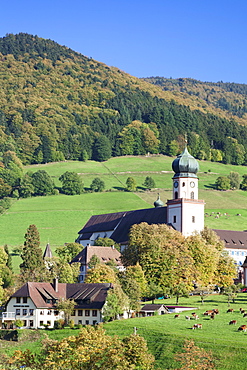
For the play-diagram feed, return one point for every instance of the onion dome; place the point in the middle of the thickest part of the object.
(158, 202)
(185, 165)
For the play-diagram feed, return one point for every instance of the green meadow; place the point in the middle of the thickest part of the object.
(60, 217)
(166, 335)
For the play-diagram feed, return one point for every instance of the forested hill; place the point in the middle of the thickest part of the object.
(57, 104)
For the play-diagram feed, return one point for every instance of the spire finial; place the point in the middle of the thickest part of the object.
(186, 139)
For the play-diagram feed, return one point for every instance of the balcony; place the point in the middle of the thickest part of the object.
(8, 316)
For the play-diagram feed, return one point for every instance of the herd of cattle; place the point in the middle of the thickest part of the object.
(212, 314)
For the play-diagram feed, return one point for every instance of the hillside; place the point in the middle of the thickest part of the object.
(57, 104)
(225, 99)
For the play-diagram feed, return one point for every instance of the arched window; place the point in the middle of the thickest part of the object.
(192, 195)
(176, 195)
(183, 184)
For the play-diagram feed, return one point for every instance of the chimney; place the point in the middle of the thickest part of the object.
(113, 247)
(55, 284)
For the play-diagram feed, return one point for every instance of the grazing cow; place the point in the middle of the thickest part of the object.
(242, 311)
(208, 312)
(216, 311)
(195, 316)
(176, 316)
(212, 315)
(187, 317)
(233, 322)
(245, 314)
(242, 328)
(197, 326)
(230, 310)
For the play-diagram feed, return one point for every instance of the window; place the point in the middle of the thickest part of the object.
(87, 313)
(94, 322)
(183, 184)
(48, 300)
(237, 253)
(49, 323)
(24, 299)
(193, 219)
(94, 313)
(87, 322)
(24, 322)
(18, 300)
(56, 313)
(41, 323)
(41, 312)
(176, 195)
(49, 312)
(79, 312)
(192, 195)
(17, 311)
(80, 322)
(31, 312)
(24, 312)
(31, 323)
(82, 268)
(174, 219)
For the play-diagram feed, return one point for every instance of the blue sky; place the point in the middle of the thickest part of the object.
(201, 39)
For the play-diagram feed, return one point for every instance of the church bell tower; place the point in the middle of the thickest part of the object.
(185, 212)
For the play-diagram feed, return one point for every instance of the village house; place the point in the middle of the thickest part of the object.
(35, 304)
(105, 254)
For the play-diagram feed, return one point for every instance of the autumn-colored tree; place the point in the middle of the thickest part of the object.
(90, 349)
(195, 358)
(162, 254)
(101, 274)
(66, 306)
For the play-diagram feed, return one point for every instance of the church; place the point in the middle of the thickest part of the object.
(184, 212)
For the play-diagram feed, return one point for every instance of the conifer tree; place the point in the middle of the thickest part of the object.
(33, 263)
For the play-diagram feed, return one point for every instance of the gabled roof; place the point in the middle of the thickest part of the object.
(105, 254)
(39, 292)
(121, 222)
(102, 222)
(86, 295)
(150, 215)
(153, 307)
(233, 239)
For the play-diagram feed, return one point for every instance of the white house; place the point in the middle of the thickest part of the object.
(35, 304)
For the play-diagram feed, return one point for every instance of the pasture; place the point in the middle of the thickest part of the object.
(59, 218)
(165, 335)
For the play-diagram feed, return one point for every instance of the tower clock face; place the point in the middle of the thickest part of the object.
(192, 184)
(175, 184)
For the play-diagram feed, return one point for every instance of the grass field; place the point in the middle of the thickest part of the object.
(59, 218)
(165, 335)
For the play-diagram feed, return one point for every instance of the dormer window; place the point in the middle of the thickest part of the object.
(24, 299)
